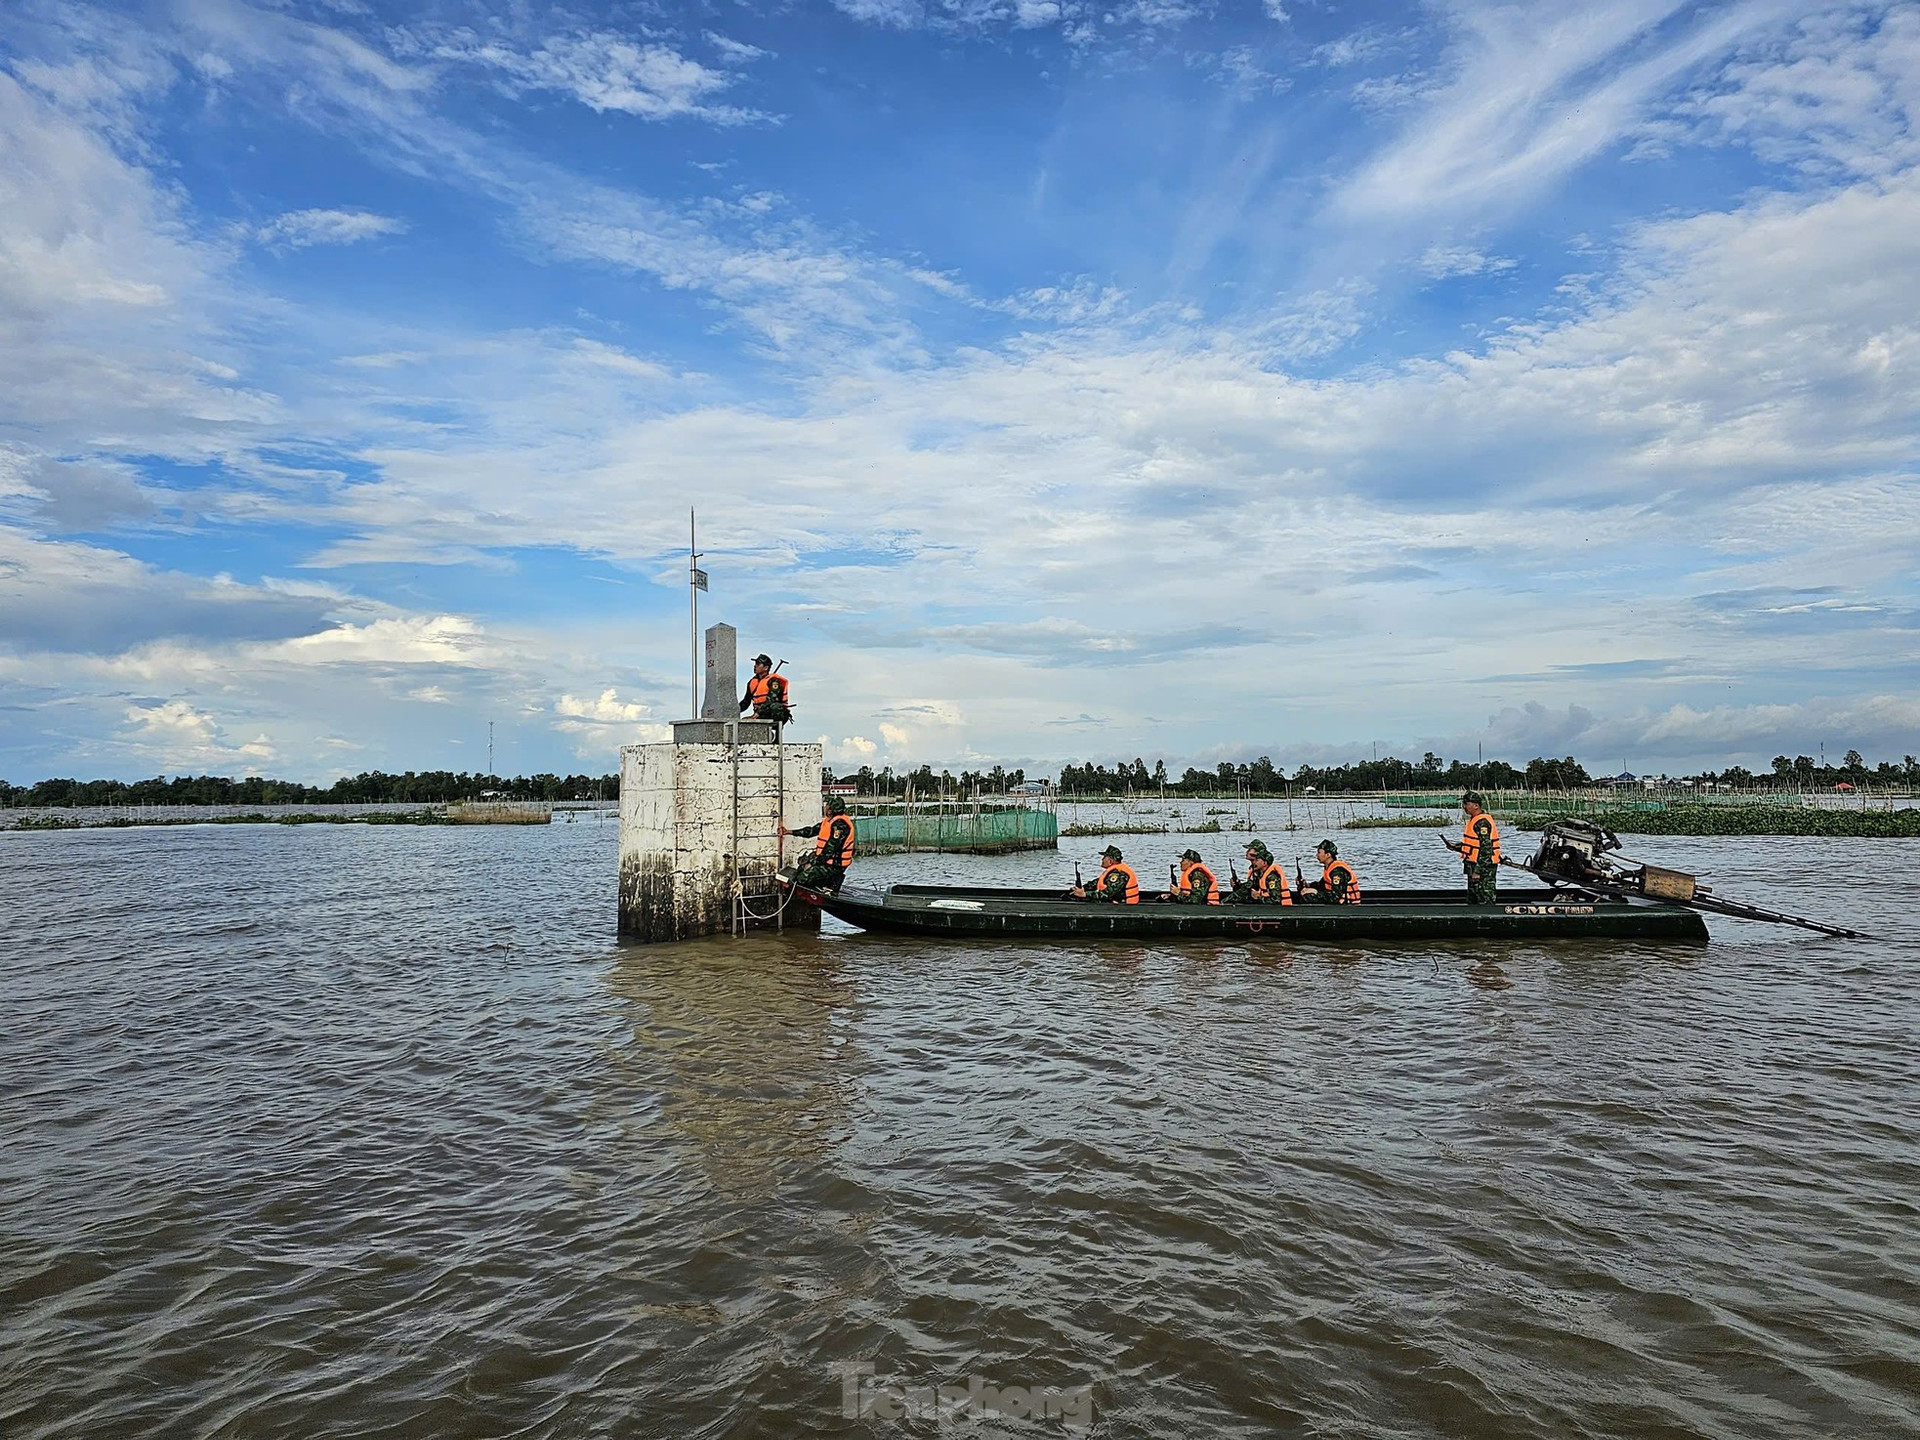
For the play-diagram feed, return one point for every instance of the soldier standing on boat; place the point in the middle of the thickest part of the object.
(1479, 849)
(1266, 882)
(826, 868)
(1197, 885)
(1117, 884)
(767, 692)
(1337, 885)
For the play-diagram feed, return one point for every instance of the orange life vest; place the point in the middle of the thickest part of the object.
(1188, 869)
(836, 841)
(1480, 840)
(1349, 896)
(762, 689)
(1133, 882)
(1272, 883)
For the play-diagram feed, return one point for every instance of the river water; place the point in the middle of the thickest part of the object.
(337, 1131)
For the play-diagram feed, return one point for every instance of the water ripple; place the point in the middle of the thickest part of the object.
(329, 1131)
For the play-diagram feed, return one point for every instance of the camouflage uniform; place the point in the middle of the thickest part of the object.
(1262, 891)
(1483, 876)
(816, 874)
(1110, 886)
(818, 870)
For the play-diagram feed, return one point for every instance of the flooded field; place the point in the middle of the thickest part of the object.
(346, 1131)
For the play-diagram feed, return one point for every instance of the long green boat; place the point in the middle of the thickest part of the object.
(938, 911)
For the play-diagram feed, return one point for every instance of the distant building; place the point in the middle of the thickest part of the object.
(840, 787)
(1028, 787)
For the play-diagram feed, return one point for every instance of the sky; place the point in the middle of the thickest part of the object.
(1053, 381)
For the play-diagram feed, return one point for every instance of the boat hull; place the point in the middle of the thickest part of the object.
(1386, 917)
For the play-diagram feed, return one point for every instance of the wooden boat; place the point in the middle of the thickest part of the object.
(942, 911)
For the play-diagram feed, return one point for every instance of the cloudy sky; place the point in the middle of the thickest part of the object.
(1055, 380)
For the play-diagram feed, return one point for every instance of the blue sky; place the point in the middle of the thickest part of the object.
(1054, 381)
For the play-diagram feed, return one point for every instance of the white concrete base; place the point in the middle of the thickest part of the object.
(680, 848)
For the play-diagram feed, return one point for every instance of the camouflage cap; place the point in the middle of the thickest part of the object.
(835, 805)
(1259, 847)
(1331, 848)
(1474, 797)
(1112, 852)
(1192, 855)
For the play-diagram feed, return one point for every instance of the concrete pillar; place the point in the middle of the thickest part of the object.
(721, 699)
(678, 854)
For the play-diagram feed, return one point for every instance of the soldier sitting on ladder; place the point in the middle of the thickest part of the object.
(826, 868)
(767, 693)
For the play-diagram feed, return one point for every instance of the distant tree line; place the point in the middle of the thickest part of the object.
(1263, 777)
(1430, 772)
(1803, 772)
(1260, 777)
(369, 788)
(926, 781)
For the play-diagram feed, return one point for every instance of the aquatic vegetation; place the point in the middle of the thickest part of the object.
(1685, 819)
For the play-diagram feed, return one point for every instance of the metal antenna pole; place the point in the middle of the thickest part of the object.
(693, 614)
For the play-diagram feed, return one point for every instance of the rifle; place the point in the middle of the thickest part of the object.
(1299, 880)
(1173, 879)
(1078, 884)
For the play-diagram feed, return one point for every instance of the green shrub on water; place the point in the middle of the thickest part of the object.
(1398, 822)
(1748, 820)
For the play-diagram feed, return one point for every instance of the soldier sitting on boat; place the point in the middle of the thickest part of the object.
(1266, 882)
(826, 868)
(1479, 847)
(1117, 884)
(1337, 885)
(1196, 885)
(767, 692)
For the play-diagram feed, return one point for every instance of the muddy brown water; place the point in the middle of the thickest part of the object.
(333, 1131)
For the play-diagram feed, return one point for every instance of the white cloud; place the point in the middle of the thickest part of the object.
(109, 307)
(901, 14)
(1351, 49)
(1679, 737)
(1837, 94)
(1537, 91)
(1442, 262)
(1670, 463)
(178, 737)
(397, 640)
(600, 724)
(606, 708)
(606, 71)
(1157, 14)
(297, 229)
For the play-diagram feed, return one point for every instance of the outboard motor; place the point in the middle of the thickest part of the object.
(1573, 852)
